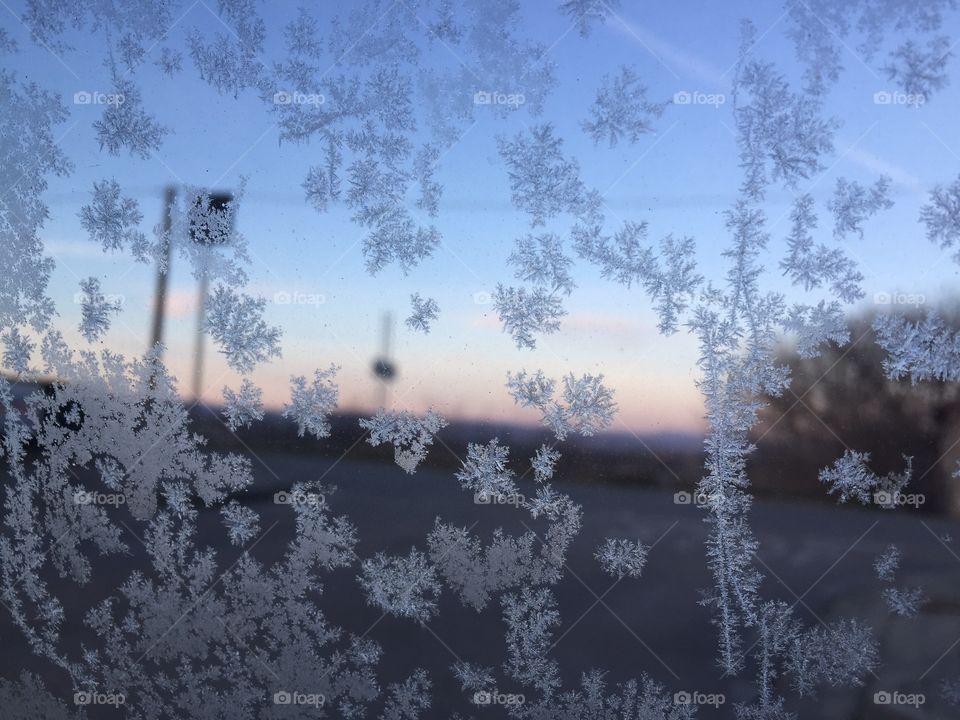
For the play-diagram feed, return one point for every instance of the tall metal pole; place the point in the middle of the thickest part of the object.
(385, 345)
(198, 346)
(163, 268)
(383, 368)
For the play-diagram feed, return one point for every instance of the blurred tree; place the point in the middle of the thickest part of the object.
(842, 400)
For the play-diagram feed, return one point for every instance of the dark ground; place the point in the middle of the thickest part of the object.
(815, 556)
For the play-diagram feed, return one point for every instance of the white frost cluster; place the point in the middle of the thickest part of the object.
(814, 266)
(621, 110)
(543, 182)
(622, 558)
(851, 479)
(410, 436)
(887, 563)
(235, 322)
(112, 220)
(924, 350)
(244, 407)
(310, 405)
(942, 216)
(544, 463)
(402, 586)
(17, 350)
(587, 408)
(585, 13)
(905, 602)
(95, 310)
(423, 312)
(852, 204)
(920, 71)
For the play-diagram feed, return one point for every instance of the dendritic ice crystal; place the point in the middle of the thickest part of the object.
(175, 559)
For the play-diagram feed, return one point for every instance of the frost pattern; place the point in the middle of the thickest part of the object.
(485, 471)
(923, 350)
(540, 260)
(587, 406)
(851, 479)
(524, 312)
(852, 204)
(17, 350)
(814, 266)
(243, 524)
(473, 677)
(544, 463)
(244, 407)
(543, 183)
(530, 616)
(95, 310)
(311, 405)
(122, 423)
(231, 62)
(235, 322)
(816, 325)
(170, 62)
(942, 216)
(28, 115)
(587, 12)
(621, 110)
(781, 133)
(622, 558)
(112, 220)
(424, 311)
(126, 125)
(904, 602)
(410, 436)
(920, 71)
(670, 280)
(887, 563)
(402, 586)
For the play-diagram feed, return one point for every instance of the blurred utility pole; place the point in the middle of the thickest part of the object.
(218, 203)
(163, 268)
(384, 368)
(204, 234)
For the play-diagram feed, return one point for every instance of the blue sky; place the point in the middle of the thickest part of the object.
(679, 179)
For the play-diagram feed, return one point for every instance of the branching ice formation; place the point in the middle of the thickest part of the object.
(621, 110)
(424, 312)
(244, 407)
(184, 627)
(410, 436)
(310, 405)
(588, 407)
